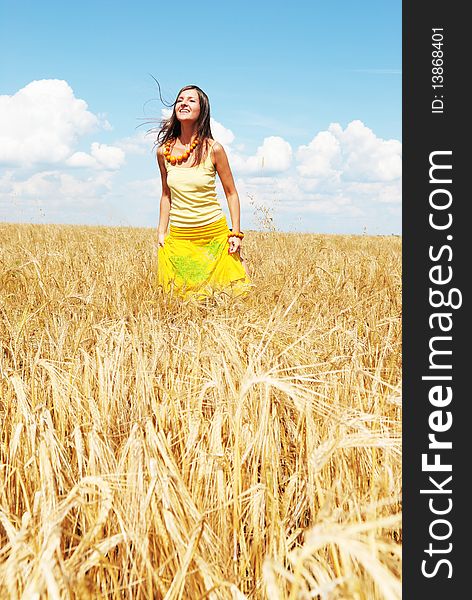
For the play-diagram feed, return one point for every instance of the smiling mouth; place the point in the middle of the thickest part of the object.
(185, 110)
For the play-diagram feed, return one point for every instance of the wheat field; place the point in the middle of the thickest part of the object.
(234, 448)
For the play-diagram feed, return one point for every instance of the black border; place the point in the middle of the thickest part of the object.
(425, 132)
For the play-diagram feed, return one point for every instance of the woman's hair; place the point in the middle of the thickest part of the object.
(170, 128)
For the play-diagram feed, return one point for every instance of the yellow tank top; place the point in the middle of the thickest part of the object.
(193, 197)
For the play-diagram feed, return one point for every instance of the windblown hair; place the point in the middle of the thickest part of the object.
(170, 128)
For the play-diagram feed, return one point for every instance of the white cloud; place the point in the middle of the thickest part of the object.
(42, 123)
(286, 195)
(321, 158)
(376, 192)
(57, 196)
(352, 154)
(139, 143)
(146, 188)
(110, 157)
(101, 157)
(221, 134)
(54, 184)
(273, 156)
(82, 160)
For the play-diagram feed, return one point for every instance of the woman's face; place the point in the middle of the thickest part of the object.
(187, 106)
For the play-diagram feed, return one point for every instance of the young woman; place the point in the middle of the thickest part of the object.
(200, 255)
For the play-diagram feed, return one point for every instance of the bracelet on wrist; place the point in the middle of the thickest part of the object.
(238, 234)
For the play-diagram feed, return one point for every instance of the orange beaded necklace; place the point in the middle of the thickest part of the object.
(183, 157)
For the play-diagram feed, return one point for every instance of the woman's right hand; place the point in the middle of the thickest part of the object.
(160, 239)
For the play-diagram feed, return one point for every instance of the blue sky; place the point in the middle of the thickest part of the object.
(313, 87)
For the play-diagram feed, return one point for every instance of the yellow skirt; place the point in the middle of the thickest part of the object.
(195, 261)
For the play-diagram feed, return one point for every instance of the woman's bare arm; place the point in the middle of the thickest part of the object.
(224, 172)
(164, 208)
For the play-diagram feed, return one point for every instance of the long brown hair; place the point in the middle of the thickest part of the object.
(170, 128)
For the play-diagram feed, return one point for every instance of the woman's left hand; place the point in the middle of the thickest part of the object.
(234, 244)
